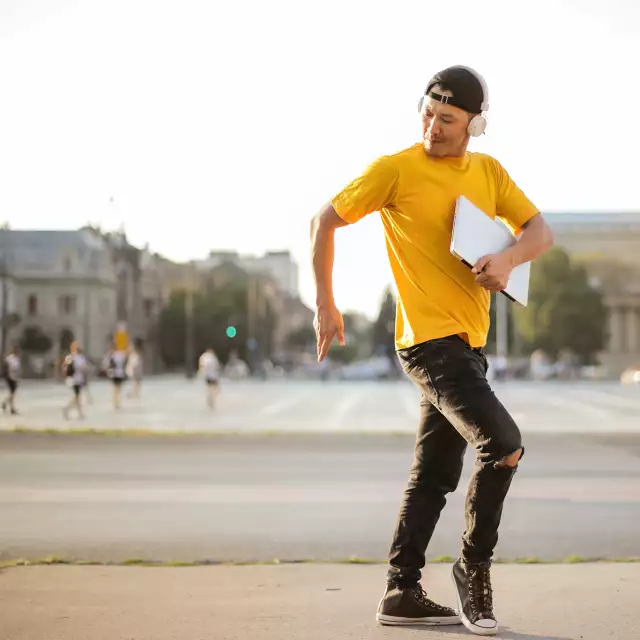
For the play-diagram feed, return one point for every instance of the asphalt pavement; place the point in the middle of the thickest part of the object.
(295, 496)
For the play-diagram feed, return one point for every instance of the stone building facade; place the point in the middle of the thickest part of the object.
(608, 244)
(65, 287)
(79, 285)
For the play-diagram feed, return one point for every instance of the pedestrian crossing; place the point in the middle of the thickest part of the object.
(174, 404)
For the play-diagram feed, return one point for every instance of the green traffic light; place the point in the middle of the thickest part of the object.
(231, 332)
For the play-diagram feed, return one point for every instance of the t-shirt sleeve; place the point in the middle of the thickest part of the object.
(375, 189)
(512, 206)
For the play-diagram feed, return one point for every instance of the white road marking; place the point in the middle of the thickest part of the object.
(338, 415)
(611, 400)
(280, 406)
(577, 406)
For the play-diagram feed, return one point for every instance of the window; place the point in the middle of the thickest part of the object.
(67, 264)
(67, 305)
(148, 308)
(32, 305)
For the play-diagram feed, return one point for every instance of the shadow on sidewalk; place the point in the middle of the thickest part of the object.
(504, 633)
(508, 634)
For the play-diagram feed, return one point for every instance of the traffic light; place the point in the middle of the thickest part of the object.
(231, 332)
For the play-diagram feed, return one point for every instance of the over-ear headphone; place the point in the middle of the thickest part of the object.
(478, 124)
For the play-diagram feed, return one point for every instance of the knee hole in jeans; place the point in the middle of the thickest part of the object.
(510, 461)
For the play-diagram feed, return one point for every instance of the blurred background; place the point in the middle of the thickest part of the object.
(160, 163)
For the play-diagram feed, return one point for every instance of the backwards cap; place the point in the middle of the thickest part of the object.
(467, 88)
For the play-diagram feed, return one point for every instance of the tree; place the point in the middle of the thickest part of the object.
(358, 332)
(383, 332)
(564, 310)
(343, 355)
(302, 338)
(172, 330)
(218, 305)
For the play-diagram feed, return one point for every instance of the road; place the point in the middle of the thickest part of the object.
(295, 496)
(177, 405)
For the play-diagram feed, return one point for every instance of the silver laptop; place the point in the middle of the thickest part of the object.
(475, 234)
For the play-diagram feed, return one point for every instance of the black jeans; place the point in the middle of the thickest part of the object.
(457, 407)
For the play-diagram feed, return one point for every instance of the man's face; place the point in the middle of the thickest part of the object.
(444, 127)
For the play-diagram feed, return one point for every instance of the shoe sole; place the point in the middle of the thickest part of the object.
(395, 621)
(478, 631)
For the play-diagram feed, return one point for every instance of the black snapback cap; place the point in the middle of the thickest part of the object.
(467, 90)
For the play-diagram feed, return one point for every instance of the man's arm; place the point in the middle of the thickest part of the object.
(369, 192)
(323, 226)
(536, 238)
(328, 322)
(494, 270)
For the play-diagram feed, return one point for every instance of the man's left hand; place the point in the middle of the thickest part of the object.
(493, 271)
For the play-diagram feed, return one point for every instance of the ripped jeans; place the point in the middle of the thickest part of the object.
(457, 407)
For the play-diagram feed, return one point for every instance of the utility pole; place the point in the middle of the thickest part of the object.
(252, 319)
(4, 320)
(189, 341)
(502, 322)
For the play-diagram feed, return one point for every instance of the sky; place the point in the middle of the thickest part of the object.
(203, 125)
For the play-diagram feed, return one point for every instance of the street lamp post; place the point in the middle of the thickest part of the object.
(502, 329)
(189, 341)
(4, 317)
(252, 342)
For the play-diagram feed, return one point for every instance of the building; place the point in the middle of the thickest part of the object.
(271, 314)
(8, 301)
(141, 293)
(608, 244)
(79, 285)
(64, 287)
(273, 284)
(278, 264)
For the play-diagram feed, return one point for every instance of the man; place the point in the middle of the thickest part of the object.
(441, 327)
(12, 369)
(209, 366)
(74, 369)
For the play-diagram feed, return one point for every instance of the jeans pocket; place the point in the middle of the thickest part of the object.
(415, 362)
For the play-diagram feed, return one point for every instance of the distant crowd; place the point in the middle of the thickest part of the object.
(120, 366)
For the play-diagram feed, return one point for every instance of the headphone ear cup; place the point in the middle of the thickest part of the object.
(420, 103)
(477, 126)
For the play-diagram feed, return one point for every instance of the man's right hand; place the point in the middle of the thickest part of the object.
(328, 323)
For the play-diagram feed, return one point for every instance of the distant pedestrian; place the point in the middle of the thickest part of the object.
(87, 375)
(74, 370)
(134, 371)
(115, 364)
(12, 372)
(210, 369)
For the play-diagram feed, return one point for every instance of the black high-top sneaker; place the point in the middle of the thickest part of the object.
(475, 597)
(400, 607)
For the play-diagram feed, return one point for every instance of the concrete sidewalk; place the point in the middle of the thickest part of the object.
(306, 602)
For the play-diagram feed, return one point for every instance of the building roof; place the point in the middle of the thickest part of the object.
(41, 249)
(618, 221)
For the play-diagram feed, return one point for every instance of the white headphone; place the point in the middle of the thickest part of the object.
(477, 124)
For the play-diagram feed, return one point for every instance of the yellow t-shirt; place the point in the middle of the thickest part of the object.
(416, 194)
